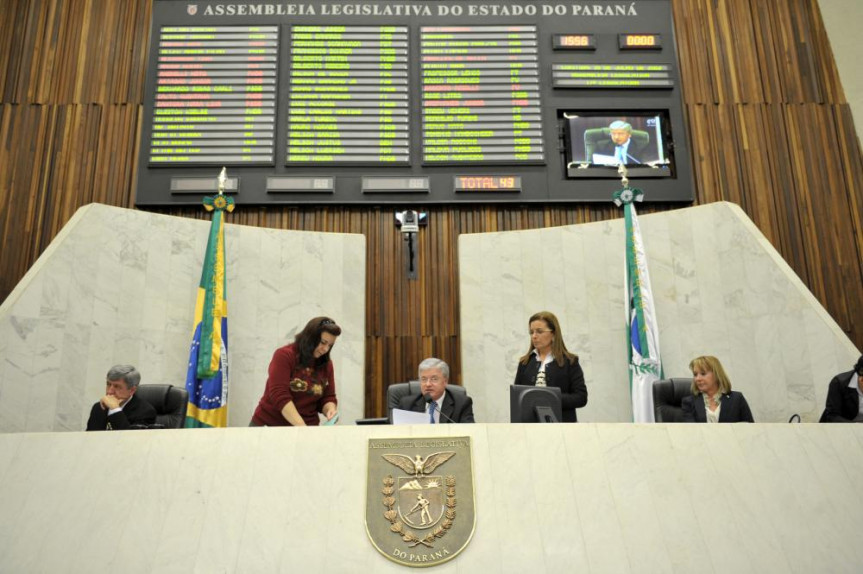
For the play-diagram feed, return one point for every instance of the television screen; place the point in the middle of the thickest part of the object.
(598, 142)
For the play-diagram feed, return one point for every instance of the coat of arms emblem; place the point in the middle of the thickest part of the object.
(420, 500)
(192, 9)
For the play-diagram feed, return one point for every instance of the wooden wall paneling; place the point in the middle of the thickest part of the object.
(785, 193)
(703, 131)
(23, 200)
(801, 80)
(116, 155)
(765, 45)
(693, 41)
(10, 25)
(75, 145)
(758, 145)
(133, 89)
(707, 59)
(852, 157)
(719, 52)
(744, 71)
(827, 224)
(26, 50)
(837, 225)
(726, 142)
(17, 30)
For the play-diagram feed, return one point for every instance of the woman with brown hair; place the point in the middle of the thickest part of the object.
(301, 381)
(712, 399)
(548, 363)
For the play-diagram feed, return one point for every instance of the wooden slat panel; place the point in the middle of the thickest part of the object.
(768, 122)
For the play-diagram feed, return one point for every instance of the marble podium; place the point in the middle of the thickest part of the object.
(591, 498)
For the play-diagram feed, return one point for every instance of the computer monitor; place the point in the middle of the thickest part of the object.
(529, 404)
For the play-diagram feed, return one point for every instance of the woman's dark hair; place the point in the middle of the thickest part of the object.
(308, 339)
(859, 366)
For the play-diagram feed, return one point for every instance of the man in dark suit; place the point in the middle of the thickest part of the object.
(621, 146)
(844, 397)
(120, 409)
(433, 398)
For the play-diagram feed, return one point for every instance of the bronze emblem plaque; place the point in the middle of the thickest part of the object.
(420, 507)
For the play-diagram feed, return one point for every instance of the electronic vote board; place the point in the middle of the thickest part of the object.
(415, 102)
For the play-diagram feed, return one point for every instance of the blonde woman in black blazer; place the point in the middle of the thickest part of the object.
(711, 392)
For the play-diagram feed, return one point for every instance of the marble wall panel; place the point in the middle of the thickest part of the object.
(119, 286)
(719, 288)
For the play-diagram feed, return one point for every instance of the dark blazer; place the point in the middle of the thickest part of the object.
(456, 407)
(842, 401)
(734, 409)
(569, 379)
(136, 412)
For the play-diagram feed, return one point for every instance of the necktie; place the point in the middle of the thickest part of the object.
(432, 406)
(621, 158)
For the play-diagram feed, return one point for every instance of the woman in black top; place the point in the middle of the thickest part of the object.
(712, 399)
(548, 363)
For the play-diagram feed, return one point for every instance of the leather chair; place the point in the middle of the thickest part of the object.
(396, 391)
(170, 403)
(667, 396)
(640, 140)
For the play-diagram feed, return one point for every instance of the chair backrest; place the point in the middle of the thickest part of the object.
(169, 401)
(640, 139)
(396, 391)
(667, 396)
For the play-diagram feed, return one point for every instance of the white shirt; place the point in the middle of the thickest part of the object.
(712, 416)
(540, 373)
(543, 362)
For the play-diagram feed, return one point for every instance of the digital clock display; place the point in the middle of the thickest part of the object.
(574, 42)
(487, 183)
(640, 41)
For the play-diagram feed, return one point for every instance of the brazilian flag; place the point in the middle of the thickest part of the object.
(207, 377)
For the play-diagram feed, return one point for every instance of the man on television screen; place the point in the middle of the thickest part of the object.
(621, 148)
(442, 406)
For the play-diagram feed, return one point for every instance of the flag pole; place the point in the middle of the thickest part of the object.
(207, 374)
(645, 365)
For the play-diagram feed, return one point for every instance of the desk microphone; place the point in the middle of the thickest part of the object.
(428, 399)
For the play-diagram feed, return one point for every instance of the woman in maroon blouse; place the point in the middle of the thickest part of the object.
(301, 382)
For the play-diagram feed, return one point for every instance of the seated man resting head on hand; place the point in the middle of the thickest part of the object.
(120, 409)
